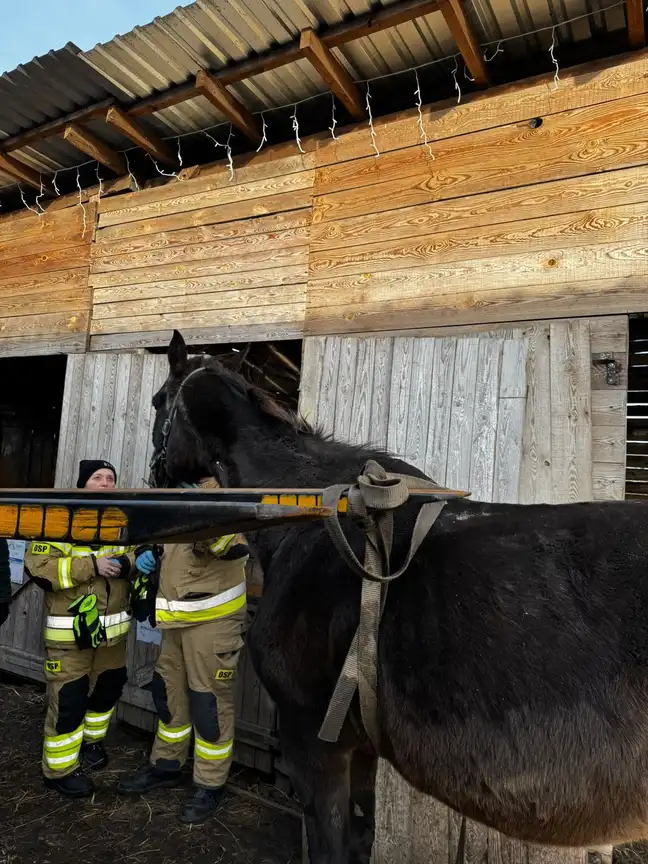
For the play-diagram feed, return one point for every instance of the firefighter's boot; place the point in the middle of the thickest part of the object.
(93, 756)
(75, 785)
(147, 779)
(200, 805)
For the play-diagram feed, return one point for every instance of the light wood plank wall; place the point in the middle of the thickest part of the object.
(44, 293)
(517, 415)
(213, 255)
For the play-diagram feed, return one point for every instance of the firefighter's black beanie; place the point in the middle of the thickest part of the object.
(87, 468)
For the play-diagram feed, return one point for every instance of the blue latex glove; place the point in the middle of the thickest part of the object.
(145, 562)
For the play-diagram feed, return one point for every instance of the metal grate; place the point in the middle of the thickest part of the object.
(637, 416)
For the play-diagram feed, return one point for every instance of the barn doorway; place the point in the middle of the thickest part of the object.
(637, 414)
(31, 398)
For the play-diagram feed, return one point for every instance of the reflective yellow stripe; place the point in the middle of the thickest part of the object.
(56, 635)
(96, 725)
(209, 614)
(221, 544)
(65, 548)
(171, 734)
(59, 628)
(61, 752)
(117, 630)
(205, 750)
(64, 575)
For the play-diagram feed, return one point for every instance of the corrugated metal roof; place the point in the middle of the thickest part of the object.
(214, 33)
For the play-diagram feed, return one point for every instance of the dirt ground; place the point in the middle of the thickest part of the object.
(37, 825)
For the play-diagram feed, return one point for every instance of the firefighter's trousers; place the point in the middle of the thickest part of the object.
(193, 688)
(83, 687)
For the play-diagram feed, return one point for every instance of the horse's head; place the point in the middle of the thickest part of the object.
(203, 411)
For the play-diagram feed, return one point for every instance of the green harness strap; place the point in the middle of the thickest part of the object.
(89, 632)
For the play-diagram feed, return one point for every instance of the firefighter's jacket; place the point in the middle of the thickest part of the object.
(67, 572)
(202, 582)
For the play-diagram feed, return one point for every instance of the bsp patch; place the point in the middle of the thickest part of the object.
(224, 675)
(52, 665)
(40, 548)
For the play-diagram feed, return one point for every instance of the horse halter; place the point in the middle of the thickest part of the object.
(159, 458)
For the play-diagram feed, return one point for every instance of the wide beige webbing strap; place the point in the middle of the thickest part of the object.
(371, 503)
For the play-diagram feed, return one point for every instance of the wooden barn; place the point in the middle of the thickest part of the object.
(462, 281)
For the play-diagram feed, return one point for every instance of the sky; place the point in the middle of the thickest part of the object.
(35, 27)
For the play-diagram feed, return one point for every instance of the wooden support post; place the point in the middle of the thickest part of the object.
(228, 104)
(88, 143)
(333, 72)
(466, 41)
(148, 141)
(636, 23)
(23, 173)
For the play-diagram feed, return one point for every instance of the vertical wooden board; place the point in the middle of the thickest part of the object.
(380, 408)
(131, 428)
(85, 412)
(476, 843)
(345, 387)
(482, 464)
(328, 387)
(311, 377)
(69, 419)
(363, 394)
(571, 427)
(535, 469)
(608, 481)
(462, 414)
(553, 855)
(107, 412)
(393, 835)
(510, 420)
(609, 333)
(399, 395)
(96, 398)
(419, 402)
(144, 426)
(510, 430)
(428, 830)
(436, 457)
(122, 385)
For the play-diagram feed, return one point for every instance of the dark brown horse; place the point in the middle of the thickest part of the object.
(513, 653)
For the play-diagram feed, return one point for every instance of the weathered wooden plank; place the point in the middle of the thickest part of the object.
(217, 178)
(84, 396)
(554, 855)
(393, 838)
(62, 300)
(328, 386)
(144, 421)
(28, 346)
(535, 469)
(608, 481)
(43, 262)
(345, 388)
(69, 421)
(580, 86)
(59, 280)
(399, 396)
(499, 158)
(609, 333)
(510, 430)
(46, 325)
(360, 431)
(247, 209)
(275, 314)
(194, 269)
(462, 414)
(244, 299)
(626, 224)
(443, 369)
(526, 303)
(129, 469)
(212, 333)
(612, 189)
(381, 388)
(131, 210)
(95, 396)
(419, 402)
(42, 236)
(608, 444)
(571, 425)
(609, 407)
(252, 244)
(106, 418)
(311, 376)
(485, 422)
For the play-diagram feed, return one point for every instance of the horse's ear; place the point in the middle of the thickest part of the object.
(178, 356)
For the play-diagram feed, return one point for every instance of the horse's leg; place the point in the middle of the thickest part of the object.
(320, 774)
(363, 804)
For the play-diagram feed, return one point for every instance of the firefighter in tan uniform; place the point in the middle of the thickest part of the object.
(87, 598)
(200, 607)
